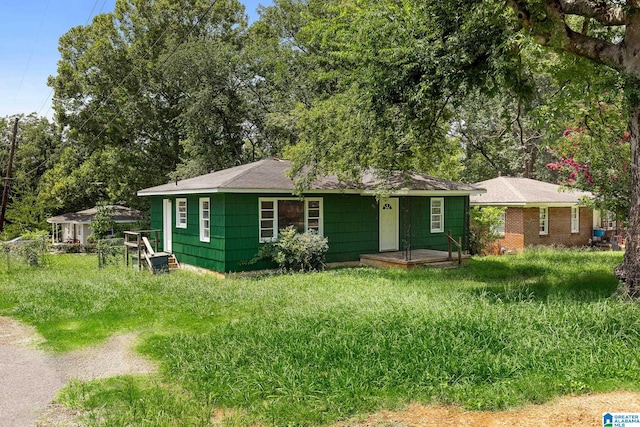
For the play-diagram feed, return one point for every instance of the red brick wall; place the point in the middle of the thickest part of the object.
(522, 228)
(513, 239)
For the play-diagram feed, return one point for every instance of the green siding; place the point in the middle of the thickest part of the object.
(186, 242)
(156, 219)
(242, 241)
(415, 222)
(350, 225)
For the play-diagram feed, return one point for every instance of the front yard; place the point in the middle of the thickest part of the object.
(316, 348)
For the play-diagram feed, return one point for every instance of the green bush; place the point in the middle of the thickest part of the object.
(109, 251)
(297, 251)
(483, 228)
(30, 248)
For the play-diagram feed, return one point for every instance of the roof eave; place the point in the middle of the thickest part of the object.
(178, 192)
(527, 204)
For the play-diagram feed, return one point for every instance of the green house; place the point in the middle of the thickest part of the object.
(218, 221)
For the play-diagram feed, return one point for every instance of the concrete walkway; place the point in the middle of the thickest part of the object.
(29, 381)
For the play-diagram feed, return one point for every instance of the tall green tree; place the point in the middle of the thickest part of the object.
(386, 77)
(38, 148)
(133, 112)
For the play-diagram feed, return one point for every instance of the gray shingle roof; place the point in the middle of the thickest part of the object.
(120, 214)
(522, 191)
(269, 175)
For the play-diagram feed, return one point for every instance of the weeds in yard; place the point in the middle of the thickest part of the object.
(315, 348)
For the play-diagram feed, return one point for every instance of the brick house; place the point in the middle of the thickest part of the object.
(537, 213)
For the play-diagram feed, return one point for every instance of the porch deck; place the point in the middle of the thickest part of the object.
(416, 258)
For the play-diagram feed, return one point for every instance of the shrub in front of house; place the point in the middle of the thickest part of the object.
(484, 228)
(295, 251)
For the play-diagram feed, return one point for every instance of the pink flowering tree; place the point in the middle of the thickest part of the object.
(593, 154)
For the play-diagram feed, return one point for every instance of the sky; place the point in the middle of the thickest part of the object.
(29, 36)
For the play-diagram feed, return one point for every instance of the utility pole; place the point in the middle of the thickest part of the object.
(5, 192)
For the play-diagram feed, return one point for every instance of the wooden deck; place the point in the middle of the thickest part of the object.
(416, 258)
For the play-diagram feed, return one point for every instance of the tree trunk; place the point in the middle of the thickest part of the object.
(631, 264)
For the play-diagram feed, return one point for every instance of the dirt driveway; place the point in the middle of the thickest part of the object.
(31, 377)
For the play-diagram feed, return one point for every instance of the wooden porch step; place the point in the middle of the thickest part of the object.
(173, 263)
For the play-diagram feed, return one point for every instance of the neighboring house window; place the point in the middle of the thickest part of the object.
(437, 215)
(610, 221)
(181, 213)
(499, 228)
(544, 221)
(205, 219)
(277, 214)
(575, 219)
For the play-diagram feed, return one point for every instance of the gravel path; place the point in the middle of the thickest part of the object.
(31, 377)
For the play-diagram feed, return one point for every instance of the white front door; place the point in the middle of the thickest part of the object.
(166, 225)
(389, 224)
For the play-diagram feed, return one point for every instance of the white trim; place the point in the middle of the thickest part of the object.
(502, 225)
(311, 191)
(427, 193)
(544, 231)
(525, 205)
(273, 212)
(320, 217)
(575, 225)
(179, 216)
(205, 230)
(167, 229)
(433, 228)
(393, 205)
(610, 221)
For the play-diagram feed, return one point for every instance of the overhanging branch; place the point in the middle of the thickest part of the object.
(598, 10)
(553, 29)
(595, 49)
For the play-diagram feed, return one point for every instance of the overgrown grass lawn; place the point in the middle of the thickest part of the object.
(316, 348)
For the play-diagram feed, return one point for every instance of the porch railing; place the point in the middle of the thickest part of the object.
(451, 241)
(133, 240)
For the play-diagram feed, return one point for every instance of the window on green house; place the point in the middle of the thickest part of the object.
(277, 214)
(205, 219)
(181, 213)
(437, 215)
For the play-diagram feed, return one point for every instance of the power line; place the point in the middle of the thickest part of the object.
(5, 192)
(91, 13)
(33, 47)
(48, 97)
(175, 49)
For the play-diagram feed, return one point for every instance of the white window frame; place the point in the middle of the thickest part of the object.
(436, 217)
(544, 221)
(575, 219)
(500, 227)
(609, 221)
(205, 219)
(307, 217)
(181, 217)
